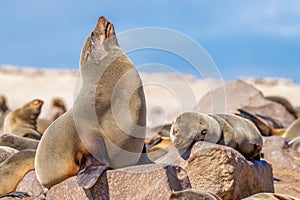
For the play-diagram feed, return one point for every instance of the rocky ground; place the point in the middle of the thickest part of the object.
(210, 169)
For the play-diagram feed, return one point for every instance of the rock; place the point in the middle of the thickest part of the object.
(269, 196)
(241, 95)
(68, 190)
(153, 181)
(192, 194)
(223, 171)
(286, 165)
(137, 182)
(276, 152)
(31, 185)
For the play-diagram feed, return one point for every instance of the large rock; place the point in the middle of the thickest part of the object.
(286, 165)
(68, 190)
(153, 181)
(223, 171)
(277, 152)
(31, 185)
(241, 95)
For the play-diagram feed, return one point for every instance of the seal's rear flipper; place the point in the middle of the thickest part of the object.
(90, 170)
(20, 195)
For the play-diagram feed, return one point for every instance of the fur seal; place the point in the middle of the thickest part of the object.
(4, 110)
(285, 103)
(267, 125)
(226, 129)
(22, 121)
(72, 144)
(18, 142)
(6, 152)
(58, 107)
(14, 168)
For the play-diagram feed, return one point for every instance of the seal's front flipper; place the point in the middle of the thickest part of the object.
(90, 170)
(20, 195)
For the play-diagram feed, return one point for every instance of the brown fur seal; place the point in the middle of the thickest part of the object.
(58, 108)
(4, 110)
(285, 103)
(267, 125)
(94, 128)
(227, 129)
(22, 121)
(18, 142)
(14, 168)
(6, 152)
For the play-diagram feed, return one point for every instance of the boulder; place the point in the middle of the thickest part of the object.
(240, 95)
(286, 165)
(223, 171)
(31, 185)
(277, 152)
(68, 190)
(153, 181)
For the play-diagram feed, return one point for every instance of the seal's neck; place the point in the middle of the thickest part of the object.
(214, 131)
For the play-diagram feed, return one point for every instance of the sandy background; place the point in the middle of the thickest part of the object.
(166, 94)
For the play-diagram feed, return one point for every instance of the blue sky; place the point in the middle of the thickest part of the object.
(244, 38)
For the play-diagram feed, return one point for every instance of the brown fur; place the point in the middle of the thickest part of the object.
(14, 168)
(90, 127)
(22, 121)
(58, 108)
(225, 129)
(18, 142)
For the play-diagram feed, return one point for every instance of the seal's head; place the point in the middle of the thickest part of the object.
(3, 106)
(32, 109)
(99, 42)
(190, 127)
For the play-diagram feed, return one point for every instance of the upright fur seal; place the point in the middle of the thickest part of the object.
(22, 121)
(226, 129)
(107, 121)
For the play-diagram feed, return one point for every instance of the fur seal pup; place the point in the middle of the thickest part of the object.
(14, 168)
(90, 131)
(6, 152)
(22, 121)
(226, 129)
(18, 142)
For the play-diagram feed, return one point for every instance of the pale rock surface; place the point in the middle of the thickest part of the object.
(286, 165)
(223, 171)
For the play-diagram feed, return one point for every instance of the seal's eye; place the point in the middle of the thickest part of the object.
(203, 132)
